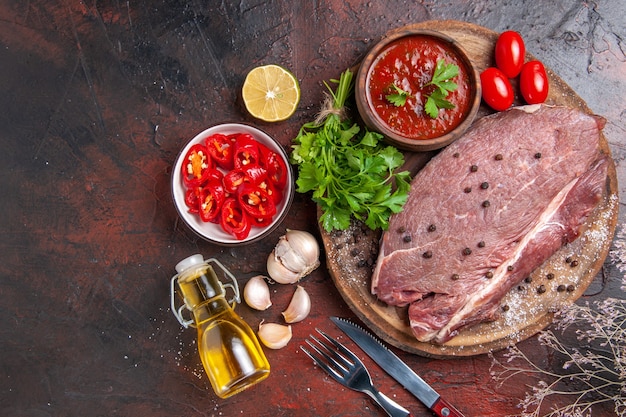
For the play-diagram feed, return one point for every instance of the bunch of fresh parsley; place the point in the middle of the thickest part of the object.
(437, 99)
(349, 171)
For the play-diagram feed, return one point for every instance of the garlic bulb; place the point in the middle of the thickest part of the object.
(274, 336)
(299, 307)
(256, 293)
(296, 255)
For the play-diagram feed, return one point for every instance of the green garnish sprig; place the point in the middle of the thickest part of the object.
(349, 171)
(441, 80)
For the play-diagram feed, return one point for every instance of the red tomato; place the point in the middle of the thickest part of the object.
(533, 82)
(509, 53)
(497, 90)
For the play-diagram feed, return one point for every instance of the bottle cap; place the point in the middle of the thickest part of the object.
(188, 262)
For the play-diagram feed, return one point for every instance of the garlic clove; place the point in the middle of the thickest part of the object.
(273, 335)
(295, 255)
(299, 307)
(277, 271)
(289, 256)
(305, 244)
(256, 293)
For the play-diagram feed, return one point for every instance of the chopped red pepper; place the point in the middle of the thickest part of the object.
(192, 198)
(234, 220)
(256, 202)
(233, 180)
(277, 170)
(196, 165)
(246, 151)
(210, 202)
(221, 149)
(272, 191)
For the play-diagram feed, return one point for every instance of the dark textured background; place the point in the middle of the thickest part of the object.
(96, 100)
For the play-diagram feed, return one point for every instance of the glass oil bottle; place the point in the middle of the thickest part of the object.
(230, 351)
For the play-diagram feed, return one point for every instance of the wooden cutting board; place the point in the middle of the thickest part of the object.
(350, 254)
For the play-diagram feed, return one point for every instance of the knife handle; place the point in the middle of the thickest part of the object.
(442, 408)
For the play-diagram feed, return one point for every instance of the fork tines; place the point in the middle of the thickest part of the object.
(336, 360)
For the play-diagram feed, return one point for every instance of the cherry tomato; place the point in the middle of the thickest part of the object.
(509, 53)
(497, 90)
(533, 82)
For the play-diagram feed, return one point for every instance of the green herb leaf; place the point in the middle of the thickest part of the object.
(441, 80)
(398, 98)
(349, 172)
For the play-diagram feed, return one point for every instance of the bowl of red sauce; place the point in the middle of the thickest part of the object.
(407, 73)
(232, 184)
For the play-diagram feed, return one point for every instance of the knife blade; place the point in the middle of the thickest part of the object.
(395, 367)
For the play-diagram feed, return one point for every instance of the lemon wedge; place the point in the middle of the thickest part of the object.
(271, 93)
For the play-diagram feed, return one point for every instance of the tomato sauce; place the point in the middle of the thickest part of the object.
(409, 63)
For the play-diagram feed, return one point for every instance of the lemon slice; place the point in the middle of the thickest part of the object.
(271, 93)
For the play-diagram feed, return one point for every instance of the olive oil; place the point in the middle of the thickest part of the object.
(230, 351)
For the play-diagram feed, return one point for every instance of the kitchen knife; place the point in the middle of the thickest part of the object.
(394, 366)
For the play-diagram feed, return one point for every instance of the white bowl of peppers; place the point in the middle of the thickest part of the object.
(232, 184)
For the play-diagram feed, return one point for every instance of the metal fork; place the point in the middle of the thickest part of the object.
(347, 369)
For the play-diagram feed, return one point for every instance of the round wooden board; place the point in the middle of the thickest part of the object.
(350, 253)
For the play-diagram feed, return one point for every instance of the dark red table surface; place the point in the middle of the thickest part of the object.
(97, 98)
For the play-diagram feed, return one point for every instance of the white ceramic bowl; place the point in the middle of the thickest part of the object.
(213, 232)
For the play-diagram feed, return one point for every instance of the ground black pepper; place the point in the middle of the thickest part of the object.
(528, 279)
(455, 155)
(509, 268)
(455, 277)
(467, 190)
(401, 229)
(498, 157)
(574, 264)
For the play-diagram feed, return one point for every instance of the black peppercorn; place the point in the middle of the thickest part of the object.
(467, 251)
(407, 238)
(484, 185)
(455, 155)
(428, 254)
(455, 277)
(489, 275)
(528, 279)
(560, 288)
(550, 275)
(541, 289)
(570, 288)
(538, 155)
(486, 203)
(481, 244)
(509, 268)
(474, 168)
(574, 264)
(401, 229)
(498, 157)
(505, 307)
(467, 190)
(432, 228)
